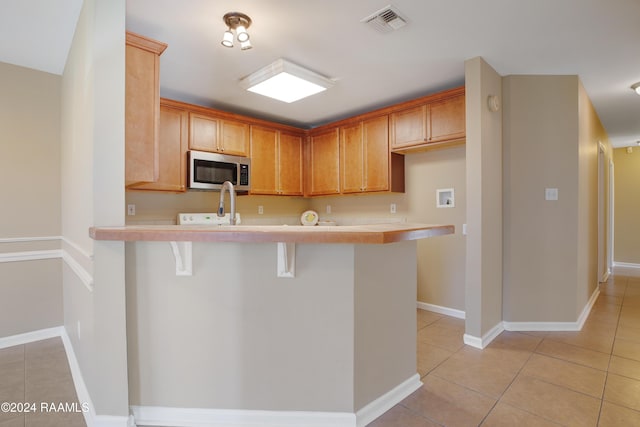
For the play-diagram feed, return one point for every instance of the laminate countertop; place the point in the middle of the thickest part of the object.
(354, 234)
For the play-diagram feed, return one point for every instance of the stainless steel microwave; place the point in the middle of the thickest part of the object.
(208, 171)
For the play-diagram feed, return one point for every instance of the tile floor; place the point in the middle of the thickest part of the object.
(586, 378)
(38, 373)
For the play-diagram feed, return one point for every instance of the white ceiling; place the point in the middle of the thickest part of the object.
(37, 34)
(595, 39)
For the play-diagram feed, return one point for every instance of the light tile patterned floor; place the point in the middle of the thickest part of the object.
(38, 373)
(586, 378)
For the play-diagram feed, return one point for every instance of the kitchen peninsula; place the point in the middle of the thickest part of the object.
(333, 345)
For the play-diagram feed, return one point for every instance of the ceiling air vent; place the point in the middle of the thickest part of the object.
(386, 19)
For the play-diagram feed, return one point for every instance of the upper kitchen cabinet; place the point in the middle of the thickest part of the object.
(365, 161)
(219, 135)
(322, 163)
(174, 133)
(276, 161)
(142, 109)
(429, 122)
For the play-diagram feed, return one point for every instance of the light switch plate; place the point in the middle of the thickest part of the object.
(551, 194)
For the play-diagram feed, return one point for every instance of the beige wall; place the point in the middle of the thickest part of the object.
(93, 194)
(591, 135)
(484, 252)
(540, 241)
(334, 338)
(162, 208)
(627, 206)
(551, 135)
(30, 291)
(441, 261)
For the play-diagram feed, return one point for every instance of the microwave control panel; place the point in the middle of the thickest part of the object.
(244, 174)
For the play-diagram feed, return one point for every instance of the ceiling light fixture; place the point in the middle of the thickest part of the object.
(636, 87)
(285, 81)
(238, 22)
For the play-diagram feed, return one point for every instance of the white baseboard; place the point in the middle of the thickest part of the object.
(485, 340)
(192, 417)
(387, 401)
(626, 269)
(556, 326)
(441, 310)
(197, 417)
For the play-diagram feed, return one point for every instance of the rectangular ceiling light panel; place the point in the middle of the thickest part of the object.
(285, 81)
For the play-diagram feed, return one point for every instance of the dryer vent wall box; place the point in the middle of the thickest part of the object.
(445, 198)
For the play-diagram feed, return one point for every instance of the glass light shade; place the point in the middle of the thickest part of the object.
(286, 87)
(285, 81)
(637, 89)
(227, 39)
(245, 45)
(241, 33)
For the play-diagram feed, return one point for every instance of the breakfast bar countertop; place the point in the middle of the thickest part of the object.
(355, 234)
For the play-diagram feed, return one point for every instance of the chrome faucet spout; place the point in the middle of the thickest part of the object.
(227, 185)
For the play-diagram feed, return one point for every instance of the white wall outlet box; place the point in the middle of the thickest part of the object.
(393, 208)
(464, 229)
(551, 194)
(328, 209)
(131, 210)
(445, 198)
(260, 210)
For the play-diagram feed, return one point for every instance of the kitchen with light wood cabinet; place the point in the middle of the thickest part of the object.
(360, 154)
(276, 162)
(142, 108)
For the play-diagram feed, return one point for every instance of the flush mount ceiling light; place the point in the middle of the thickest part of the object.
(238, 22)
(636, 87)
(285, 81)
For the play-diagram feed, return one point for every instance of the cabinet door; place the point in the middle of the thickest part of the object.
(234, 138)
(203, 133)
(351, 159)
(264, 160)
(408, 127)
(290, 164)
(446, 119)
(375, 136)
(324, 163)
(172, 151)
(142, 108)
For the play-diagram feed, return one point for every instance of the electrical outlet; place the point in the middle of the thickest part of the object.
(328, 209)
(131, 210)
(260, 210)
(393, 208)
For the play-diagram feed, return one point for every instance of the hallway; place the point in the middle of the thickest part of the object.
(585, 378)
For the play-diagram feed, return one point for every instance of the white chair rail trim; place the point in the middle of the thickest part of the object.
(72, 263)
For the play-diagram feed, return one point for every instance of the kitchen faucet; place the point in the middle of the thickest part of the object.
(232, 196)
